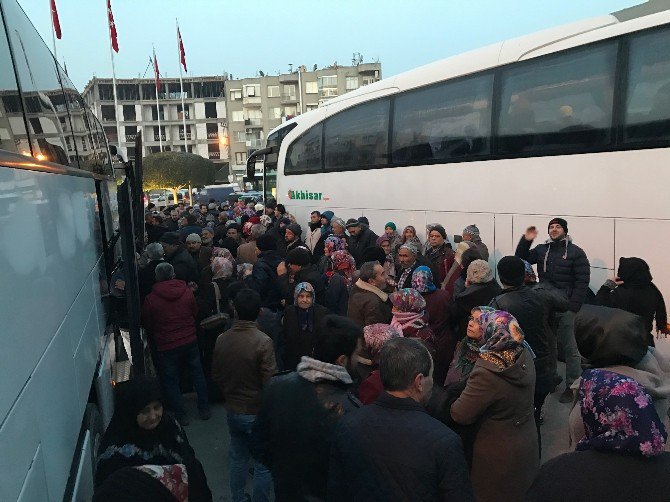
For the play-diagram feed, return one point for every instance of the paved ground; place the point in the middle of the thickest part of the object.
(210, 439)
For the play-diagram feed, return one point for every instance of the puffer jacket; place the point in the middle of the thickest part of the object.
(563, 265)
(365, 239)
(264, 279)
(169, 314)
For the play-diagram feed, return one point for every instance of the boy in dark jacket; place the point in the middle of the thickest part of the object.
(564, 266)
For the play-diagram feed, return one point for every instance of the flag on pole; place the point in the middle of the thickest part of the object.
(112, 27)
(182, 52)
(157, 72)
(55, 20)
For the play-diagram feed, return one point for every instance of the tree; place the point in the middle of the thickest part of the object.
(176, 170)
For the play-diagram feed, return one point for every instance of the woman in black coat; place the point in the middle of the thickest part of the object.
(633, 291)
(302, 322)
(140, 433)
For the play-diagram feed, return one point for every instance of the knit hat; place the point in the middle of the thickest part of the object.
(363, 220)
(390, 225)
(438, 228)
(479, 272)
(511, 271)
(298, 256)
(266, 243)
(471, 230)
(259, 207)
(193, 238)
(353, 222)
(373, 253)
(171, 238)
(561, 222)
(411, 247)
(328, 215)
(295, 229)
(338, 221)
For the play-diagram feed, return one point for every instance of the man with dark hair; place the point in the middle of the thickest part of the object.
(263, 277)
(314, 235)
(368, 303)
(361, 238)
(294, 429)
(392, 449)
(298, 267)
(243, 362)
(533, 309)
(191, 227)
(292, 237)
(565, 267)
(178, 256)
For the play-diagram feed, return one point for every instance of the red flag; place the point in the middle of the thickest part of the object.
(182, 52)
(112, 27)
(54, 19)
(158, 73)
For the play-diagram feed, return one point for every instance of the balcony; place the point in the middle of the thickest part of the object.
(252, 101)
(214, 155)
(212, 135)
(157, 138)
(181, 135)
(328, 92)
(131, 137)
(289, 98)
(254, 143)
(253, 122)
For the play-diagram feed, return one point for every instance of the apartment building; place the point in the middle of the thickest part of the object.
(204, 114)
(257, 105)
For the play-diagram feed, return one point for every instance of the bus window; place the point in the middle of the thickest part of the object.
(44, 103)
(441, 122)
(270, 165)
(304, 154)
(559, 102)
(13, 135)
(357, 138)
(648, 106)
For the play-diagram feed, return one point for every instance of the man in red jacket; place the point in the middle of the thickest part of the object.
(169, 314)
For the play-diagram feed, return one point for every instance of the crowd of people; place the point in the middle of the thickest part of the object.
(358, 366)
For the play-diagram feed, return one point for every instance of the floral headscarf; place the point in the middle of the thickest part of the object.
(222, 253)
(382, 238)
(529, 273)
(222, 268)
(376, 335)
(468, 349)
(303, 286)
(500, 331)
(422, 280)
(343, 262)
(408, 308)
(334, 243)
(619, 415)
(246, 229)
(305, 316)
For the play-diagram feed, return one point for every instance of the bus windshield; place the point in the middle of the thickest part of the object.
(270, 166)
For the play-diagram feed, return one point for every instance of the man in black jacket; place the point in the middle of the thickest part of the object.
(177, 255)
(300, 410)
(532, 308)
(361, 238)
(392, 450)
(263, 277)
(298, 267)
(564, 266)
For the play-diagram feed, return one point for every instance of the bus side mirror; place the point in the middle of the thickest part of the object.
(251, 162)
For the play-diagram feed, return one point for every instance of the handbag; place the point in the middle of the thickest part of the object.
(218, 320)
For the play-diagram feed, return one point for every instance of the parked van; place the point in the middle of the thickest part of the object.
(219, 193)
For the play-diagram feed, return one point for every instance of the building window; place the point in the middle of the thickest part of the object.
(368, 80)
(240, 157)
(275, 113)
(290, 111)
(129, 112)
(235, 94)
(237, 116)
(106, 92)
(68, 143)
(128, 92)
(273, 91)
(289, 91)
(311, 88)
(210, 110)
(240, 136)
(351, 83)
(212, 131)
(311, 107)
(108, 113)
(180, 112)
(84, 144)
(252, 90)
(154, 113)
(213, 151)
(328, 81)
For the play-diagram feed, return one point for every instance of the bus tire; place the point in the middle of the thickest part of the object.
(93, 421)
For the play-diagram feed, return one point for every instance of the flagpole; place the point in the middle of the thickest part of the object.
(158, 107)
(181, 89)
(53, 31)
(116, 100)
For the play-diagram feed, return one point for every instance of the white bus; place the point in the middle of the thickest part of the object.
(572, 122)
(61, 236)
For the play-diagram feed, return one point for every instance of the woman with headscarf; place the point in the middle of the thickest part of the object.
(438, 302)
(390, 230)
(142, 434)
(331, 244)
(409, 316)
(301, 325)
(622, 455)
(498, 396)
(633, 291)
(339, 278)
(409, 236)
(375, 336)
(385, 243)
(481, 288)
(438, 250)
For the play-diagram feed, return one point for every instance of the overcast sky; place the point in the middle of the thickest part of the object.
(244, 36)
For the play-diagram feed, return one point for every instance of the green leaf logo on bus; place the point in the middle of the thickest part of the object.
(305, 195)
